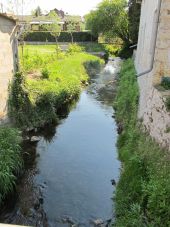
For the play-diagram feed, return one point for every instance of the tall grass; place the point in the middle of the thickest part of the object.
(143, 192)
(35, 99)
(10, 160)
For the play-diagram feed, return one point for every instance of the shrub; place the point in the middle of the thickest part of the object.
(111, 49)
(74, 48)
(45, 73)
(19, 105)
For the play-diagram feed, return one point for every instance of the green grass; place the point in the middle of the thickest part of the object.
(10, 160)
(41, 49)
(143, 192)
(35, 100)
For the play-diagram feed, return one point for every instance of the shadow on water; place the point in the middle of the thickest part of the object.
(70, 166)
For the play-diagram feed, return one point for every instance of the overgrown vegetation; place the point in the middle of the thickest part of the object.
(50, 81)
(10, 160)
(143, 192)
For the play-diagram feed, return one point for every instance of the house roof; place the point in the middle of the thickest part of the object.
(74, 18)
(31, 18)
(8, 16)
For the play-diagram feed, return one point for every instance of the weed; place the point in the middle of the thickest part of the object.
(143, 192)
(10, 160)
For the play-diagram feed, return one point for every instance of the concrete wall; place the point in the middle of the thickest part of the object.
(152, 109)
(8, 56)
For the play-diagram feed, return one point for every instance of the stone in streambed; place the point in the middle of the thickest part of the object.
(98, 222)
(35, 139)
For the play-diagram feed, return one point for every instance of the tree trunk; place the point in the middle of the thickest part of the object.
(56, 40)
(72, 41)
(22, 50)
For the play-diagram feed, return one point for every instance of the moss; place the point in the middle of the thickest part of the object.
(143, 192)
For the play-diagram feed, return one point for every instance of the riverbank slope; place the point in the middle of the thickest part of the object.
(143, 192)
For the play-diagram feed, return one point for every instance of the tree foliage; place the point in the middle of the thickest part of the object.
(37, 12)
(54, 27)
(134, 19)
(115, 18)
(71, 28)
(110, 18)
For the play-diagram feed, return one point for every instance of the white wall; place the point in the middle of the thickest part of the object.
(6, 60)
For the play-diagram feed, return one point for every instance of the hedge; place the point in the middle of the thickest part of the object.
(64, 37)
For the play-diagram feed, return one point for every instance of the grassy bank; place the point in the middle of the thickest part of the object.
(10, 160)
(143, 193)
(50, 80)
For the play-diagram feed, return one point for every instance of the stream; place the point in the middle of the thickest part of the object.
(71, 169)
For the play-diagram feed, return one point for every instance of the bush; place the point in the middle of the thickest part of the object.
(125, 52)
(143, 192)
(45, 73)
(19, 105)
(111, 49)
(10, 160)
(74, 48)
(64, 37)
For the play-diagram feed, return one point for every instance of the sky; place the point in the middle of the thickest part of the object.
(75, 7)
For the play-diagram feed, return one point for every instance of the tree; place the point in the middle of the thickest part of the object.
(111, 19)
(54, 28)
(134, 10)
(37, 12)
(71, 28)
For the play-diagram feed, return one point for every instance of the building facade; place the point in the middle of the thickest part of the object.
(8, 59)
(152, 64)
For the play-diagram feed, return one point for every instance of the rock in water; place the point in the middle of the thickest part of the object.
(35, 139)
(98, 222)
(113, 182)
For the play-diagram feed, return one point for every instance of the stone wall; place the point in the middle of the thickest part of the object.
(8, 56)
(152, 108)
(162, 53)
